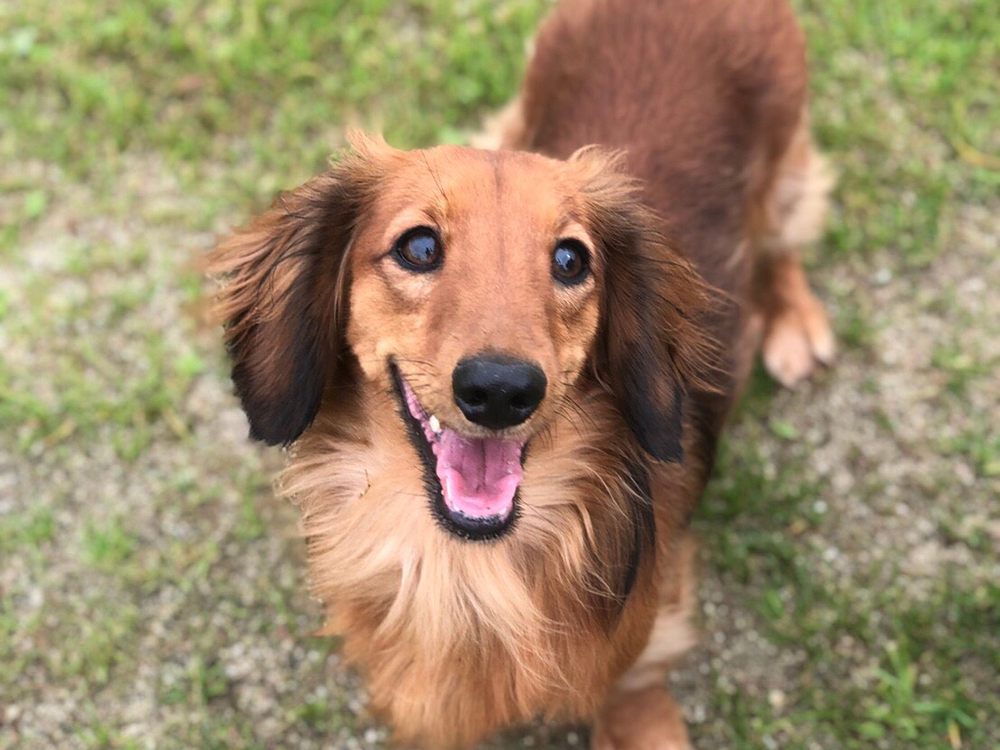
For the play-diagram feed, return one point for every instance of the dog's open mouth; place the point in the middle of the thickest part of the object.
(473, 481)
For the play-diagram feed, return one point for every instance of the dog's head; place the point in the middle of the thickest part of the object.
(483, 289)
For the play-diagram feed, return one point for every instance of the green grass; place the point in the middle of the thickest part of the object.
(915, 687)
(201, 81)
(164, 121)
(108, 545)
(31, 529)
(910, 82)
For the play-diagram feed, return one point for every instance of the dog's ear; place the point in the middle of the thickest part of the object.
(283, 303)
(652, 347)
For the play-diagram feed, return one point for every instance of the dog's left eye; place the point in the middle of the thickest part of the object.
(570, 262)
(419, 250)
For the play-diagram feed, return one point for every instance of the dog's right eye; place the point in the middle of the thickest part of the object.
(418, 250)
(570, 262)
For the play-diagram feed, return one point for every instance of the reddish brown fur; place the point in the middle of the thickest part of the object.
(580, 610)
(704, 96)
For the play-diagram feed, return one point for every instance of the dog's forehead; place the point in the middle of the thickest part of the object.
(461, 185)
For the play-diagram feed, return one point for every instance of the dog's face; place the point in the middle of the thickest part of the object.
(474, 296)
(480, 288)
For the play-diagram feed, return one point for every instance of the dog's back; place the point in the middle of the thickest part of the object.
(703, 95)
(707, 99)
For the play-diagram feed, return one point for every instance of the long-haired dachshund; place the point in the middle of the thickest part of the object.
(503, 372)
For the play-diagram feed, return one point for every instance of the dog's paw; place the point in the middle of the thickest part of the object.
(797, 340)
(647, 719)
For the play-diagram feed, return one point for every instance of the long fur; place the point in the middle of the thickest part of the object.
(283, 333)
(459, 639)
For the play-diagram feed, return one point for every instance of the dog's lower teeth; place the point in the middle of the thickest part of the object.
(435, 425)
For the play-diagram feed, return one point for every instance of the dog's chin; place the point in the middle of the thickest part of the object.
(473, 483)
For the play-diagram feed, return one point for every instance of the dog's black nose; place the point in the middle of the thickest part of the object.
(496, 391)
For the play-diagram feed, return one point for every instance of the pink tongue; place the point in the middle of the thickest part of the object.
(479, 476)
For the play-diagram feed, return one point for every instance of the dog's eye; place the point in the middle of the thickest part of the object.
(419, 250)
(570, 262)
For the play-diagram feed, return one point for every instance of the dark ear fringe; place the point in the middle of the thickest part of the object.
(622, 540)
(654, 347)
(283, 327)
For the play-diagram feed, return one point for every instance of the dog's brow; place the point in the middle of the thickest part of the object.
(435, 178)
(571, 227)
(408, 219)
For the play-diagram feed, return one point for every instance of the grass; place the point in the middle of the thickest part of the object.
(212, 81)
(912, 687)
(149, 589)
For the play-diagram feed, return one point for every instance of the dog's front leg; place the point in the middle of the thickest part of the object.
(639, 712)
(646, 719)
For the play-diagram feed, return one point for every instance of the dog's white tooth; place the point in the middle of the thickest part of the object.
(435, 424)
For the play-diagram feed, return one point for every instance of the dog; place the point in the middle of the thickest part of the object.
(502, 373)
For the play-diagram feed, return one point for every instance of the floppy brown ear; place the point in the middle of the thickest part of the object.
(652, 348)
(284, 305)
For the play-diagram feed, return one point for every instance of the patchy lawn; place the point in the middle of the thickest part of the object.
(151, 590)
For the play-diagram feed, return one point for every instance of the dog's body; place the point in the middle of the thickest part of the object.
(562, 587)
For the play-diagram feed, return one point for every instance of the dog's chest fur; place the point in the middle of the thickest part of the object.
(458, 638)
